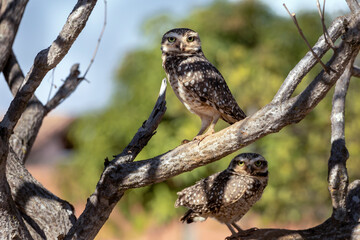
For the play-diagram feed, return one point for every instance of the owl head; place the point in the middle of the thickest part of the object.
(249, 164)
(181, 41)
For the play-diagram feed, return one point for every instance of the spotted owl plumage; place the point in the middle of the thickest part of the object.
(195, 81)
(227, 195)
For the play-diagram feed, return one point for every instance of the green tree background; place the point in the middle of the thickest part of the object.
(254, 49)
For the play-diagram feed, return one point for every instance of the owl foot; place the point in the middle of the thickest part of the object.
(203, 136)
(242, 233)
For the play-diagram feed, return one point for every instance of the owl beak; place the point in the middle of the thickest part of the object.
(182, 47)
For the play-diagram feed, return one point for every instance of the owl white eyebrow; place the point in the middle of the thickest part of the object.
(172, 34)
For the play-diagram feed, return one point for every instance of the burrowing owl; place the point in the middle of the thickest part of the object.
(196, 82)
(227, 195)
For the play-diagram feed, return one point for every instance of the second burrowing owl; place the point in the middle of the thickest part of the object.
(227, 195)
(196, 82)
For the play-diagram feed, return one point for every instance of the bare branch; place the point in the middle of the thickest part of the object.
(11, 13)
(29, 124)
(293, 17)
(322, 17)
(22, 183)
(329, 230)
(29, 194)
(45, 61)
(308, 62)
(337, 176)
(68, 87)
(356, 71)
(99, 40)
(353, 5)
(95, 213)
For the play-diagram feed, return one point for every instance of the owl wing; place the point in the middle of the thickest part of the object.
(198, 196)
(206, 83)
(213, 192)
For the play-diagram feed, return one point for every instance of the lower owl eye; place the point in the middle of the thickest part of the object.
(190, 39)
(241, 163)
(258, 163)
(171, 39)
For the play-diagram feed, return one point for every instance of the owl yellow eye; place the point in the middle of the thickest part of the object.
(241, 163)
(171, 39)
(190, 39)
(258, 163)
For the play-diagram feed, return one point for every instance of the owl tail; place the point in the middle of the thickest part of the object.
(191, 216)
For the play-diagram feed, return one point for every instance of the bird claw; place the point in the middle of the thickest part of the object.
(243, 233)
(203, 136)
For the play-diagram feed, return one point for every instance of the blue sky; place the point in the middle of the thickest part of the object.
(44, 19)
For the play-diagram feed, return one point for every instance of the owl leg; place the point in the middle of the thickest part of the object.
(233, 232)
(237, 227)
(242, 232)
(205, 123)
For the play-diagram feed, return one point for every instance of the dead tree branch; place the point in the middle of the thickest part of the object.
(337, 176)
(322, 17)
(100, 203)
(11, 13)
(293, 17)
(99, 40)
(353, 5)
(12, 224)
(22, 183)
(68, 87)
(308, 62)
(45, 61)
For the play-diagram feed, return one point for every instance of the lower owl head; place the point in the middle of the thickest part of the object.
(249, 164)
(180, 41)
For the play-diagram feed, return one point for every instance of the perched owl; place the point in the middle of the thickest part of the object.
(227, 195)
(196, 82)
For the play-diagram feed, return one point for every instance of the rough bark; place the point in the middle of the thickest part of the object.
(100, 203)
(29, 194)
(11, 13)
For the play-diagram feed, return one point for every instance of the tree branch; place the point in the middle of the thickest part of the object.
(353, 5)
(24, 135)
(322, 17)
(22, 183)
(68, 87)
(11, 13)
(308, 61)
(293, 17)
(45, 61)
(337, 176)
(100, 203)
(12, 223)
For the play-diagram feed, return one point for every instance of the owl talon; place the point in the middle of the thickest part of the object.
(242, 233)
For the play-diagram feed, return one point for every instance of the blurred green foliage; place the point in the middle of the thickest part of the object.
(254, 49)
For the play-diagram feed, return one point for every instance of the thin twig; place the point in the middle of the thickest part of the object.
(293, 17)
(68, 87)
(98, 42)
(322, 16)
